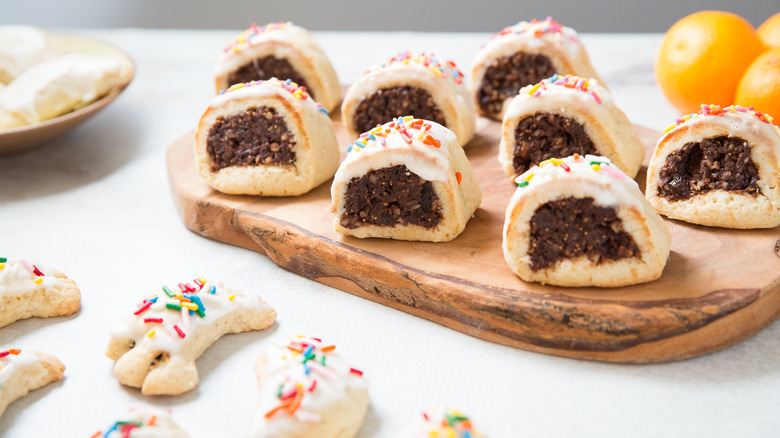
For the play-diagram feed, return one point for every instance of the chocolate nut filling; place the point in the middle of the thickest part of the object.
(717, 163)
(253, 137)
(267, 68)
(572, 227)
(384, 105)
(390, 196)
(542, 136)
(504, 77)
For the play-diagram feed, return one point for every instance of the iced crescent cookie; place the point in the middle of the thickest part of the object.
(24, 371)
(521, 55)
(580, 221)
(718, 167)
(21, 47)
(407, 179)
(144, 422)
(307, 390)
(564, 115)
(61, 85)
(281, 50)
(440, 422)
(34, 289)
(155, 346)
(266, 138)
(420, 84)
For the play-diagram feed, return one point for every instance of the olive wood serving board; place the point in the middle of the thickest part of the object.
(720, 286)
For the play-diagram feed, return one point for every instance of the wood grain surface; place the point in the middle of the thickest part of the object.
(719, 286)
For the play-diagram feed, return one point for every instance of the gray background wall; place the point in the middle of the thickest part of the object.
(419, 15)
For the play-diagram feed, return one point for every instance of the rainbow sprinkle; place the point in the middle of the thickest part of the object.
(299, 92)
(716, 110)
(407, 127)
(597, 165)
(125, 427)
(453, 425)
(311, 353)
(437, 67)
(589, 86)
(534, 27)
(244, 39)
(184, 302)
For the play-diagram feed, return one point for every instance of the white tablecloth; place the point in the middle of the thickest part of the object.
(96, 204)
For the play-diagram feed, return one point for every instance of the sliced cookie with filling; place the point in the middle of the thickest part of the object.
(144, 422)
(408, 180)
(581, 221)
(266, 138)
(442, 422)
(24, 371)
(307, 390)
(562, 116)
(34, 289)
(718, 167)
(155, 346)
(408, 83)
(279, 50)
(521, 55)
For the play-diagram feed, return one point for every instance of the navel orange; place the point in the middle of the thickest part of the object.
(760, 85)
(702, 58)
(769, 31)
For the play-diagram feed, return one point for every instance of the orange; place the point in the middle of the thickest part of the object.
(769, 31)
(760, 85)
(702, 58)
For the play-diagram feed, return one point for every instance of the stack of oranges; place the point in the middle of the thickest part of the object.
(717, 57)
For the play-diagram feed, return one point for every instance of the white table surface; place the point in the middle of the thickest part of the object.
(96, 204)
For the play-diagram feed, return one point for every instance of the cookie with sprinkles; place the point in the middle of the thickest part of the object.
(143, 422)
(718, 167)
(24, 371)
(441, 422)
(521, 55)
(265, 138)
(564, 115)
(580, 221)
(308, 390)
(407, 179)
(156, 344)
(422, 84)
(280, 50)
(34, 289)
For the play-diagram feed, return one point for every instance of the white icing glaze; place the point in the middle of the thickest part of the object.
(165, 337)
(239, 51)
(614, 188)
(322, 386)
(271, 87)
(738, 119)
(429, 162)
(14, 363)
(441, 422)
(148, 423)
(560, 94)
(535, 33)
(428, 64)
(17, 279)
(20, 48)
(60, 85)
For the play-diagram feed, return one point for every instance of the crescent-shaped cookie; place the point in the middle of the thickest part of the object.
(155, 346)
